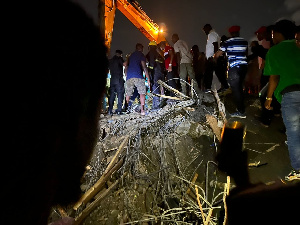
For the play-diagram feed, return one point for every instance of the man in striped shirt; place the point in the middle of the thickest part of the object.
(236, 49)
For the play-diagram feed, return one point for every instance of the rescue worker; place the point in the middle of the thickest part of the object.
(170, 66)
(156, 71)
(116, 82)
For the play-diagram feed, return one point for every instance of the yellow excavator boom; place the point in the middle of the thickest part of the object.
(133, 11)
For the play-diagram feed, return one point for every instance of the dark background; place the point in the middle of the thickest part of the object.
(188, 17)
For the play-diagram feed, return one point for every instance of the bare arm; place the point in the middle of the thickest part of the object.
(273, 82)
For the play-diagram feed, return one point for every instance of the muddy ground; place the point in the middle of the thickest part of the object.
(166, 172)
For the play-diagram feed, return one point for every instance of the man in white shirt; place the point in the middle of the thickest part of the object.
(184, 59)
(212, 46)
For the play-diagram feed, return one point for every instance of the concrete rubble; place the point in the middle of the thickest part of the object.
(158, 155)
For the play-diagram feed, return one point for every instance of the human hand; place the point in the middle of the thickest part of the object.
(268, 104)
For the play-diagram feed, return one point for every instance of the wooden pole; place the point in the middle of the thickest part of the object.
(94, 204)
(192, 183)
(160, 82)
(113, 166)
(165, 96)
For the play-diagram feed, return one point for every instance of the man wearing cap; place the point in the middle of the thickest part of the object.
(156, 72)
(170, 66)
(116, 82)
(236, 49)
(282, 65)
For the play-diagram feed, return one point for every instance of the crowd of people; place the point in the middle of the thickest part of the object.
(182, 68)
(227, 58)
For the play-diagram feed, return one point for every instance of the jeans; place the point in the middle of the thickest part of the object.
(290, 107)
(236, 77)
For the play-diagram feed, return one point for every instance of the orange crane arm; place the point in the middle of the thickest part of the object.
(109, 19)
(136, 15)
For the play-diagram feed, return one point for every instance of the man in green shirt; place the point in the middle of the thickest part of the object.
(282, 65)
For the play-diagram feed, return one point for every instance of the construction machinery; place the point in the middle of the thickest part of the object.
(133, 11)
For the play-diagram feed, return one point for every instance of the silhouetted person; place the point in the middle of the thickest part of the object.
(156, 70)
(252, 80)
(249, 203)
(116, 82)
(212, 46)
(56, 78)
(222, 67)
(264, 36)
(199, 65)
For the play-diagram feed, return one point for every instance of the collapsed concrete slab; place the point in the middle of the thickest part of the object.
(145, 165)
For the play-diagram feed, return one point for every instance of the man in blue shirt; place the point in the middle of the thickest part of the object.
(134, 66)
(236, 49)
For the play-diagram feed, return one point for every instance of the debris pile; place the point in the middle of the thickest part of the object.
(156, 168)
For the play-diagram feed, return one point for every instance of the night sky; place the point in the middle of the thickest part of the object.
(188, 17)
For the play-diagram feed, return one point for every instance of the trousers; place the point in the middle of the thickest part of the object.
(290, 107)
(236, 77)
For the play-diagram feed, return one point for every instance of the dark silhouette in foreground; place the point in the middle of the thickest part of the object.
(56, 67)
(249, 203)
